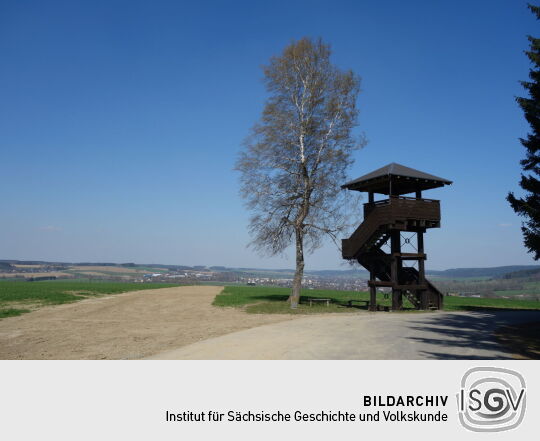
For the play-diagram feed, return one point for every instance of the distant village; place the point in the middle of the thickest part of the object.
(36, 271)
(309, 282)
(520, 283)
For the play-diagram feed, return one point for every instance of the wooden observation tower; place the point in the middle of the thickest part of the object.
(396, 220)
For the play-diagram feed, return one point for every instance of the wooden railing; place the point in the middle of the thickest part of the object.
(407, 208)
(387, 212)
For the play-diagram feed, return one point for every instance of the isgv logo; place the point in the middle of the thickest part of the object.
(491, 399)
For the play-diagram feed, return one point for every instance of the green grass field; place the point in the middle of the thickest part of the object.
(12, 312)
(15, 294)
(19, 297)
(271, 300)
(435, 278)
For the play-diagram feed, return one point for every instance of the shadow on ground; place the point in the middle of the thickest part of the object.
(304, 300)
(474, 333)
(334, 300)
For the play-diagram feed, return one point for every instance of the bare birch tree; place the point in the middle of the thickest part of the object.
(297, 155)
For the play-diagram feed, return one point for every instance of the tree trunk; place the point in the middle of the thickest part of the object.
(294, 298)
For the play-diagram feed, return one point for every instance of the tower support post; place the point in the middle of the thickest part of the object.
(397, 300)
(372, 292)
(424, 294)
(395, 266)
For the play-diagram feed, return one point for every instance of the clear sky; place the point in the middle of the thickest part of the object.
(120, 121)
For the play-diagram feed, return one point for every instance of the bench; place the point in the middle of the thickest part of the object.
(350, 302)
(312, 300)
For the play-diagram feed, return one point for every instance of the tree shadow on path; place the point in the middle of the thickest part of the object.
(468, 336)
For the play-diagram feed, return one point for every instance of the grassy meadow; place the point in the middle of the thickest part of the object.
(18, 297)
(271, 300)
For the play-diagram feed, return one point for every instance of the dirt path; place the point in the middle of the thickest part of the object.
(130, 325)
(181, 323)
(366, 336)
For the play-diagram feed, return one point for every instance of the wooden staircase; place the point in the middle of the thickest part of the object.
(381, 220)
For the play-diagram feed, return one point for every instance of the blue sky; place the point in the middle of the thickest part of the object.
(120, 121)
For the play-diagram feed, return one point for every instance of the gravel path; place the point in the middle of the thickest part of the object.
(409, 336)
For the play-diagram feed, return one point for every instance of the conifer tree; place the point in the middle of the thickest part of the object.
(529, 205)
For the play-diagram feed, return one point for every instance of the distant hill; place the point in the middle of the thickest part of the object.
(492, 272)
(522, 273)
(497, 271)
(511, 271)
(354, 272)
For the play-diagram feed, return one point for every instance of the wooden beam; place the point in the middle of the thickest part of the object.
(380, 283)
(410, 256)
(411, 287)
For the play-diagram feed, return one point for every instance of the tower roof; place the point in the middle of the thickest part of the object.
(404, 180)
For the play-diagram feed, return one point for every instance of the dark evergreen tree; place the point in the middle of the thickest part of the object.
(529, 205)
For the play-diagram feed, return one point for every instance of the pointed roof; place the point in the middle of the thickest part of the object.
(404, 180)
